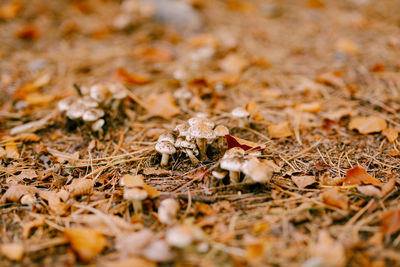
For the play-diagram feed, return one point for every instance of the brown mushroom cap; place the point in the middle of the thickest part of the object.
(75, 111)
(256, 170)
(117, 90)
(132, 180)
(165, 147)
(166, 137)
(201, 130)
(231, 164)
(240, 113)
(136, 193)
(234, 152)
(65, 104)
(221, 130)
(200, 120)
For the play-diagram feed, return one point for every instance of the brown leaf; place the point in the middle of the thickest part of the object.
(347, 46)
(12, 150)
(303, 181)
(334, 197)
(369, 190)
(28, 32)
(80, 187)
(234, 141)
(63, 156)
(309, 107)
(27, 137)
(204, 208)
(27, 227)
(367, 125)
(390, 221)
(255, 251)
(31, 87)
(12, 251)
(155, 54)
(57, 207)
(280, 130)
(331, 251)
(255, 114)
(391, 134)
(85, 242)
(331, 78)
(39, 99)
(124, 76)
(233, 63)
(15, 192)
(387, 187)
(10, 10)
(156, 172)
(162, 105)
(358, 175)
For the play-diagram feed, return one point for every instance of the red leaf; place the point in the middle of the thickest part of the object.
(358, 175)
(391, 221)
(232, 142)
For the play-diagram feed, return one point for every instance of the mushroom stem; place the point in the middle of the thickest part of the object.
(242, 122)
(164, 159)
(182, 104)
(192, 158)
(137, 206)
(234, 177)
(221, 142)
(202, 144)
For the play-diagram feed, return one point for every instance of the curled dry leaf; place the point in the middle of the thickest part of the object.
(85, 242)
(124, 76)
(332, 252)
(63, 156)
(367, 125)
(12, 150)
(12, 251)
(391, 134)
(332, 79)
(80, 187)
(22, 92)
(369, 190)
(390, 221)
(255, 114)
(280, 130)
(309, 107)
(335, 198)
(162, 105)
(27, 227)
(303, 181)
(359, 175)
(57, 207)
(15, 192)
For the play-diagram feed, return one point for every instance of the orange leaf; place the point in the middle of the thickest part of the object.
(390, 221)
(366, 125)
(29, 32)
(233, 63)
(159, 54)
(124, 76)
(162, 105)
(391, 134)
(280, 130)
(12, 150)
(331, 78)
(10, 10)
(358, 175)
(303, 181)
(85, 242)
(31, 87)
(335, 198)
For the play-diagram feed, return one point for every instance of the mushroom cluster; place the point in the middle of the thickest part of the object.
(91, 105)
(192, 139)
(235, 161)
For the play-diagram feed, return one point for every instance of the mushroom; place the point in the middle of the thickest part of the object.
(202, 120)
(183, 95)
(166, 137)
(118, 92)
(99, 92)
(234, 152)
(165, 148)
(220, 132)
(168, 211)
(92, 114)
(232, 164)
(219, 174)
(89, 102)
(65, 104)
(182, 235)
(75, 111)
(189, 148)
(256, 171)
(97, 126)
(242, 115)
(136, 195)
(202, 132)
(158, 251)
(183, 131)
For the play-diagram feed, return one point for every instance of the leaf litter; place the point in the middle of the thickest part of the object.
(320, 117)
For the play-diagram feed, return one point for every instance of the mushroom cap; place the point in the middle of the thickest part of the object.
(180, 236)
(202, 115)
(231, 164)
(166, 137)
(201, 120)
(182, 129)
(184, 144)
(219, 174)
(183, 93)
(240, 112)
(117, 90)
(221, 130)
(168, 210)
(132, 180)
(98, 92)
(201, 130)
(158, 251)
(75, 111)
(64, 104)
(234, 152)
(165, 147)
(257, 171)
(92, 114)
(135, 193)
(96, 126)
(89, 102)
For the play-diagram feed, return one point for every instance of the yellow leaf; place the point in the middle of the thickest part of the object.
(280, 130)
(162, 105)
(12, 150)
(85, 242)
(366, 125)
(347, 46)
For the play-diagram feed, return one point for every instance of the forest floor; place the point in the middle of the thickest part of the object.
(320, 80)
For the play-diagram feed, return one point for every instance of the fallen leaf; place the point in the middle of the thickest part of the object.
(254, 251)
(334, 197)
(390, 221)
(124, 76)
(39, 99)
(367, 125)
(27, 137)
(369, 190)
(233, 63)
(359, 175)
(162, 105)
(85, 242)
(309, 107)
(15, 192)
(199, 175)
(280, 130)
(204, 208)
(28, 32)
(57, 207)
(12, 251)
(387, 187)
(63, 156)
(32, 86)
(303, 181)
(156, 172)
(10, 10)
(391, 134)
(233, 141)
(26, 174)
(80, 187)
(347, 46)
(28, 226)
(240, 6)
(331, 251)
(255, 114)
(32, 126)
(332, 79)
(155, 54)
(12, 150)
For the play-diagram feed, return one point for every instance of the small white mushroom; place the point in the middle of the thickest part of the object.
(202, 133)
(183, 131)
(165, 148)
(166, 137)
(136, 195)
(189, 148)
(232, 164)
(234, 152)
(168, 210)
(242, 115)
(99, 92)
(182, 95)
(75, 111)
(28, 199)
(158, 251)
(88, 102)
(201, 120)
(256, 171)
(65, 104)
(92, 114)
(97, 126)
(183, 235)
(219, 174)
(220, 132)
